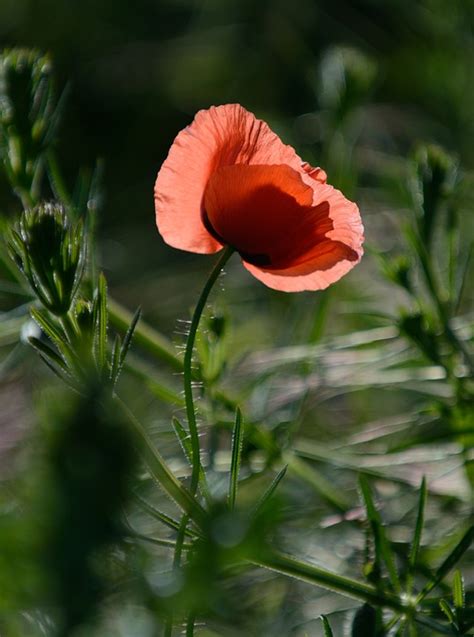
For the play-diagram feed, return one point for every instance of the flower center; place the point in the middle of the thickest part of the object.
(265, 213)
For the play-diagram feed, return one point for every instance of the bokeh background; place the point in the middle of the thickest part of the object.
(354, 86)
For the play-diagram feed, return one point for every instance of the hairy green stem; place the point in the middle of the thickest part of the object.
(191, 416)
(188, 359)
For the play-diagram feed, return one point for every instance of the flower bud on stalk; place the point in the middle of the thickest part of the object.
(434, 177)
(28, 111)
(51, 253)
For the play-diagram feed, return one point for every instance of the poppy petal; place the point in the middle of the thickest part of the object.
(220, 136)
(264, 211)
(328, 259)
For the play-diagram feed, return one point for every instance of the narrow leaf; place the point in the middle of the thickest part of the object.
(327, 627)
(160, 516)
(115, 360)
(128, 337)
(66, 379)
(54, 333)
(270, 491)
(237, 440)
(451, 560)
(48, 351)
(101, 323)
(415, 547)
(382, 547)
(447, 610)
(159, 541)
(459, 597)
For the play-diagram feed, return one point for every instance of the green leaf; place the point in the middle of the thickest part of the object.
(270, 491)
(64, 377)
(459, 597)
(447, 610)
(451, 560)
(415, 547)
(128, 338)
(237, 441)
(160, 516)
(100, 316)
(47, 351)
(115, 360)
(383, 551)
(54, 333)
(327, 628)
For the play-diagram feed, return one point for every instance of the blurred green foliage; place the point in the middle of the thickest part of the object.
(370, 379)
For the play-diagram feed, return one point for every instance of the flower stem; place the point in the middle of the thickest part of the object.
(191, 417)
(188, 373)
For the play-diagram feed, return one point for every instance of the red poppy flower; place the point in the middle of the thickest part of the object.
(229, 180)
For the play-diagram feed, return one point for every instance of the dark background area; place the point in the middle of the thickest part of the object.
(139, 71)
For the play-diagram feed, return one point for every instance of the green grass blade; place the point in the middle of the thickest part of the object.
(383, 550)
(451, 560)
(415, 547)
(270, 491)
(327, 627)
(237, 441)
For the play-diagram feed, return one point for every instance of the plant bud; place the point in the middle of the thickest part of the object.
(51, 254)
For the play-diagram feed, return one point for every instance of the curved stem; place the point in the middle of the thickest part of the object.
(188, 374)
(191, 417)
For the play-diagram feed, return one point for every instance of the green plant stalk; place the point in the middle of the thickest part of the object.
(191, 416)
(188, 359)
(441, 307)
